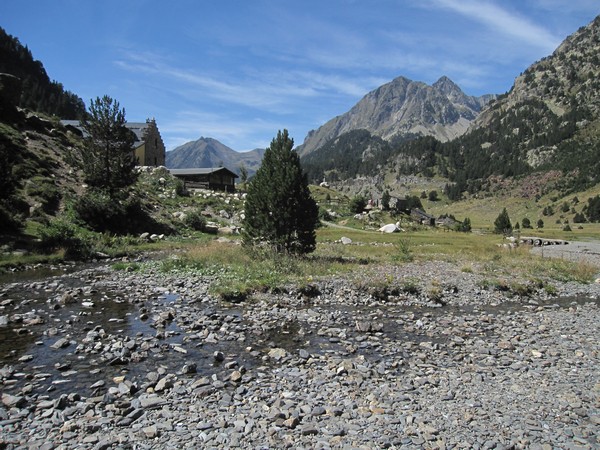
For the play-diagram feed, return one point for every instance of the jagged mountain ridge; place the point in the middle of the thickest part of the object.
(403, 108)
(209, 152)
(548, 122)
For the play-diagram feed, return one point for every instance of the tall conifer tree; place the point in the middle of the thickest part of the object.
(108, 160)
(279, 209)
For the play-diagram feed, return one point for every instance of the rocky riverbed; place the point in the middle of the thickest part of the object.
(96, 358)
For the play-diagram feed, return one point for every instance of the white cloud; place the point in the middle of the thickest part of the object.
(504, 21)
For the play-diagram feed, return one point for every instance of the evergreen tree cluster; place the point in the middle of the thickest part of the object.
(352, 154)
(39, 93)
(592, 209)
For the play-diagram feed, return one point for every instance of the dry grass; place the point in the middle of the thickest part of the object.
(237, 272)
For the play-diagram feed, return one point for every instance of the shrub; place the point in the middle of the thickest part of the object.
(403, 251)
(101, 212)
(9, 222)
(60, 234)
(502, 223)
(46, 191)
(464, 226)
(358, 204)
(195, 220)
(324, 215)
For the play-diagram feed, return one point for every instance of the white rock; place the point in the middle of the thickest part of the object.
(389, 228)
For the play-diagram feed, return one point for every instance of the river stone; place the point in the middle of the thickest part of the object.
(13, 401)
(277, 353)
(61, 343)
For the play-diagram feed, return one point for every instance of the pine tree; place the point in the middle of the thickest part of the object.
(385, 200)
(279, 209)
(502, 223)
(108, 159)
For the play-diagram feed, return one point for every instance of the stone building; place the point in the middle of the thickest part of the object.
(149, 148)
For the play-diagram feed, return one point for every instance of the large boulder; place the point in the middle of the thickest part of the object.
(390, 228)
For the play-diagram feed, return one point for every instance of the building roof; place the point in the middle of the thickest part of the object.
(138, 128)
(201, 171)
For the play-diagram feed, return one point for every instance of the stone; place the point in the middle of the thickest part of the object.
(389, 228)
(150, 402)
(163, 384)
(309, 430)
(13, 401)
(150, 432)
(291, 422)
(61, 343)
(345, 240)
(189, 368)
(277, 353)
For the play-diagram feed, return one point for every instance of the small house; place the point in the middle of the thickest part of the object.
(213, 178)
(422, 217)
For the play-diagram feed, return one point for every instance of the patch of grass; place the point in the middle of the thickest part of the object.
(410, 286)
(563, 270)
(435, 294)
(237, 272)
(403, 251)
(127, 266)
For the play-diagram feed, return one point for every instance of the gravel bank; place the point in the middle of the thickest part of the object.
(588, 252)
(103, 359)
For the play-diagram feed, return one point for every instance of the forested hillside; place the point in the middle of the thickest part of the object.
(352, 154)
(39, 93)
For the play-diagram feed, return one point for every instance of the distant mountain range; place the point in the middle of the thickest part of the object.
(208, 152)
(549, 120)
(395, 111)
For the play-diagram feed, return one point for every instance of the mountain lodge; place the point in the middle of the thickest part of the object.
(149, 148)
(213, 178)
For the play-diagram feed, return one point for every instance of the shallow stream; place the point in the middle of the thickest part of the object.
(34, 320)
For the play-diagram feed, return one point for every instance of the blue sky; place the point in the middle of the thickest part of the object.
(239, 70)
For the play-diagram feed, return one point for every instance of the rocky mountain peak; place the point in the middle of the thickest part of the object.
(403, 108)
(208, 152)
(447, 87)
